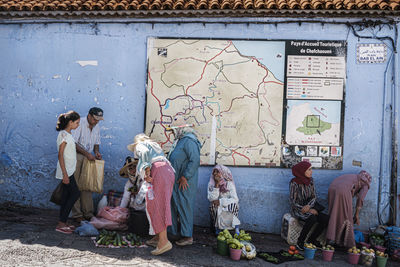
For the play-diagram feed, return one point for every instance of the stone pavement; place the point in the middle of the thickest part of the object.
(27, 238)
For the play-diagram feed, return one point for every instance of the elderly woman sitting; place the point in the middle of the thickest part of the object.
(132, 186)
(224, 202)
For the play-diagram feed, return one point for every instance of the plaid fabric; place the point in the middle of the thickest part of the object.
(114, 198)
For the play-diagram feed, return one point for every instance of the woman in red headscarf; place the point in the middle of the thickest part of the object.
(304, 206)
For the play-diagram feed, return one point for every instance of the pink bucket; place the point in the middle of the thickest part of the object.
(235, 254)
(327, 255)
(353, 258)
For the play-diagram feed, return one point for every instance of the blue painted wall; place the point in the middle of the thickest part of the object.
(40, 78)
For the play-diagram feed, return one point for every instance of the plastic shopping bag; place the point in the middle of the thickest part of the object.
(86, 229)
(115, 214)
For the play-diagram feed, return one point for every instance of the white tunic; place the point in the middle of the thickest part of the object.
(128, 199)
(225, 218)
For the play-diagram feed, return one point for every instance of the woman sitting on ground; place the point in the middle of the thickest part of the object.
(132, 186)
(224, 206)
(304, 206)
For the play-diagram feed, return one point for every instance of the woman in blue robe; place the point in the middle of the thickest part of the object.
(185, 158)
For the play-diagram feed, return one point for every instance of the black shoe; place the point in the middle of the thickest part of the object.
(300, 246)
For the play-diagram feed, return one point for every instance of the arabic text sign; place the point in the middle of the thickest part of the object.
(371, 53)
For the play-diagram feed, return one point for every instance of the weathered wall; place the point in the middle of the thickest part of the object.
(40, 78)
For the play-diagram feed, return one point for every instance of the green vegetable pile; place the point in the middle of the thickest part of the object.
(234, 243)
(269, 258)
(376, 240)
(134, 239)
(243, 236)
(224, 235)
(299, 256)
(110, 238)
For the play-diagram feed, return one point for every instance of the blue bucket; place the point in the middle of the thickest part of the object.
(309, 253)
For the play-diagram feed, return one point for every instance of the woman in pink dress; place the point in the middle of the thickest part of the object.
(159, 177)
(340, 198)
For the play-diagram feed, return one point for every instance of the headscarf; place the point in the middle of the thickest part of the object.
(364, 178)
(180, 133)
(226, 176)
(299, 170)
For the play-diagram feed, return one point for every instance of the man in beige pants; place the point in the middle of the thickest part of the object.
(87, 139)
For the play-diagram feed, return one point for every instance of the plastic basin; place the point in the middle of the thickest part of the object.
(353, 258)
(235, 254)
(222, 248)
(309, 253)
(327, 255)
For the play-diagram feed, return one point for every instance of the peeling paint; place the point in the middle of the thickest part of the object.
(85, 63)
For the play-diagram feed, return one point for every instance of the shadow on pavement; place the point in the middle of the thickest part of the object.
(28, 238)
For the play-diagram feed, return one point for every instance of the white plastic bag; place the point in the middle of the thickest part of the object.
(251, 254)
(102, 203)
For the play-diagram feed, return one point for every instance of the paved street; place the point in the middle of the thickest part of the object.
(27, 238)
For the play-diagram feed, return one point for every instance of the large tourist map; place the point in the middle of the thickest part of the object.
(231, 91)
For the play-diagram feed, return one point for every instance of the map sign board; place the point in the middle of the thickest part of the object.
(315, 82)
(234, 93)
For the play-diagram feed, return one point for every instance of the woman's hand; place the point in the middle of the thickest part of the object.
(183, 184)
(65, 179)
(305, 209)
(215, 202)
(98, 155)
(313, 211)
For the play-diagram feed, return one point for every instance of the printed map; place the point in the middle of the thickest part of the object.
(232, 91)
(313, 122)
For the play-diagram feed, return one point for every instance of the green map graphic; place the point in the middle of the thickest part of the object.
(312, 124)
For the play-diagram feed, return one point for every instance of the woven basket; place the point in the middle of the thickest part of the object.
(291, 229)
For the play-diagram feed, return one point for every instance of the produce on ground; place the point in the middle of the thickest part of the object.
(354, 250)
(110, 238)
(269, 257)
(224, 235)
(381, 254)
(367, 256)
(328, 247)
(310, 246)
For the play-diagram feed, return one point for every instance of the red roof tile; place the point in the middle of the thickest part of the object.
(193, 7)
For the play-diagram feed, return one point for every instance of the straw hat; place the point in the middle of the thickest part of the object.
(129, 161)
(138, 139)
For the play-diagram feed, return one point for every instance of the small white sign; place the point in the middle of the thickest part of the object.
(371, 53)
(316, 162)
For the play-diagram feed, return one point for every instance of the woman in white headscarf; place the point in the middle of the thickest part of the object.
(159, 176)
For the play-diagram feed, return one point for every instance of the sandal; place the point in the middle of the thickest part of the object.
(64, 230)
